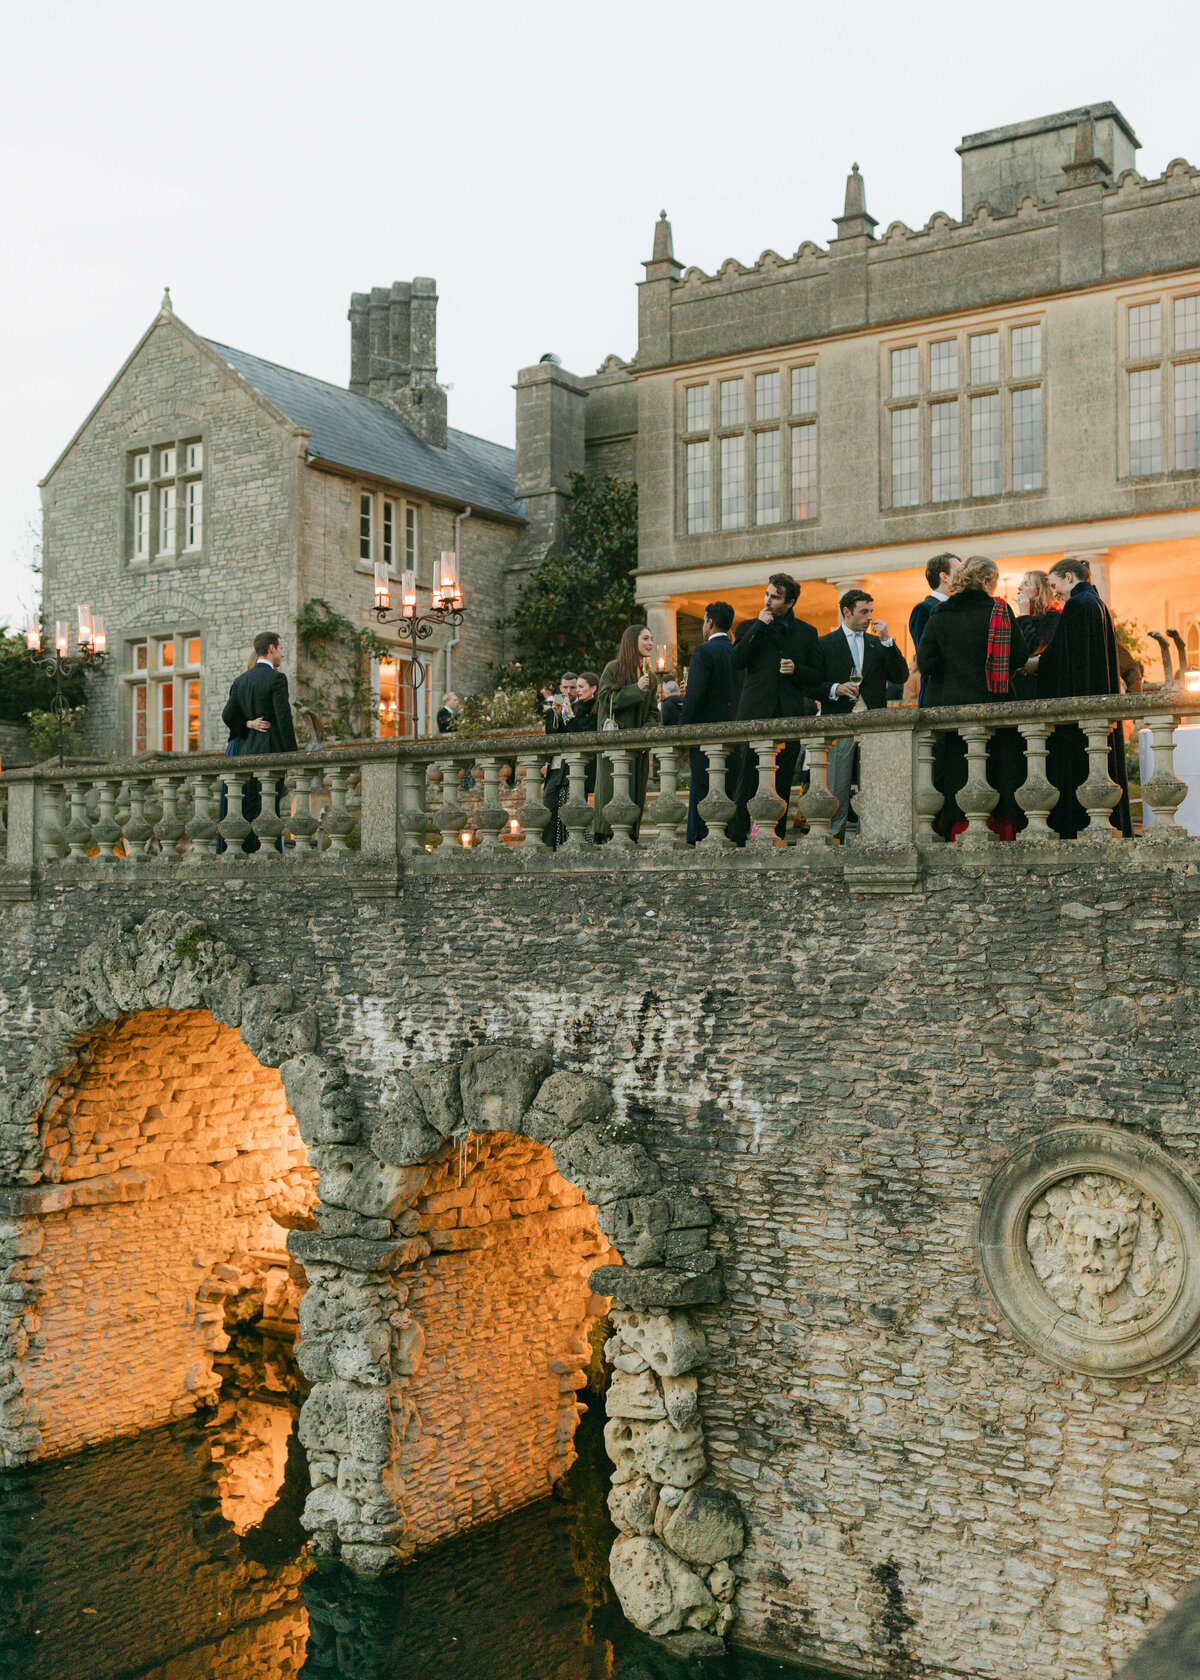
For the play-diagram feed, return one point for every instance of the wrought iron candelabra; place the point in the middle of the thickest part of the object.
(90, 650)
(446, 607)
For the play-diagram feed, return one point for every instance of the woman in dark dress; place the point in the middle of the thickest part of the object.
(629, 696)
(1038, 621)
(970, 650)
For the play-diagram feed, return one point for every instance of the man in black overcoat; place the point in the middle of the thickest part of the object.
(1082, 659)
(259, 714)
(780, 662)
(710, 698)
(855, 646)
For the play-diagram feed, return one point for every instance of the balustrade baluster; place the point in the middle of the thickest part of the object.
(137, 830)
(339, 824)
(670, 813)
(168, 830)
(201, 829)
(1099, 793)
(449, 818)
(233, 827)
(577, 816)
(977, 798)
(53, 820)
(716, 808)
(1037, 796)
(302, 825)
(491, 817)
(928, 800)
(1163, 792)
(269, 825)
(533, 815)
(620, 813)
(79, 829)
(766, 808)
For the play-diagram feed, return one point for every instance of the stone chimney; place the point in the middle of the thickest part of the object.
(1001, 166)
(550, 447)
(393, 354)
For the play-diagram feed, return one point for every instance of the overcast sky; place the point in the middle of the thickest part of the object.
(266, 159)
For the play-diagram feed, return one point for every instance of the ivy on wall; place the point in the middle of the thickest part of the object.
(334, 679)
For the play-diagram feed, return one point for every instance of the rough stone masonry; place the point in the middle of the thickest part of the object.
(843, 1082)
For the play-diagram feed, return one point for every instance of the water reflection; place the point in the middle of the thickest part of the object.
(177, 1555)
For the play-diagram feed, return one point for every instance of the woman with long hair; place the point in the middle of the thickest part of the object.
(627, 694)
(970, 650)
(1041, 611)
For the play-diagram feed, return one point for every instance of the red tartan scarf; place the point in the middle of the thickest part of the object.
(999, 647)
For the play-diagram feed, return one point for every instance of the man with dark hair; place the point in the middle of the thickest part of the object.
(939, 573)
(710, 698)
(259, 712)
(1082, 659)
(554, 788)
(856, 668)
(780, 662)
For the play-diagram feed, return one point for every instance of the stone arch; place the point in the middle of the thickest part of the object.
(72, 1195)
(403, 1203)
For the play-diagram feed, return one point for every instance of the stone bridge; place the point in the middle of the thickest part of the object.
(875, 1167)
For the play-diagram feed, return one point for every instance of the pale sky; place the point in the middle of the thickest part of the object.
(266, 159)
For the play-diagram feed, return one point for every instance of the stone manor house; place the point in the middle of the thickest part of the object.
(1022, 382)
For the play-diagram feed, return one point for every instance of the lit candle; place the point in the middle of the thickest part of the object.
(451, 589)
(84, 615)
(383, 588)
(60, 635)
(1191, 681)
(514, 826)
(33, 636)
(98, 637)
(465, 837)
(408, 594)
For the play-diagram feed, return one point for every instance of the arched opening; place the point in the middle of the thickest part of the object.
(507, 1315)
(177, 1166)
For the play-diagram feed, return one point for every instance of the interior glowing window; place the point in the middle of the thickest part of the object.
(166, 654)
(193, 650)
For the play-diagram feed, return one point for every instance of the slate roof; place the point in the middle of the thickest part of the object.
(362, 434)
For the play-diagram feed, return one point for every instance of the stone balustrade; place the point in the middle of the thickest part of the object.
(375, 810)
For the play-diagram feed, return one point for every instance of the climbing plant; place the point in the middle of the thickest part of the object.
(335, 676)
(576, 603)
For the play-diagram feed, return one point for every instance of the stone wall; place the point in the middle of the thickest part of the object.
(169, 1155)
(842, 1078)
(171, 389)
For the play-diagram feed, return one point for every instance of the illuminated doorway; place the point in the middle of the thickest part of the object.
(394, 700)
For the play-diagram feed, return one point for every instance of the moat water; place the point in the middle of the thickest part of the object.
(178, 1555)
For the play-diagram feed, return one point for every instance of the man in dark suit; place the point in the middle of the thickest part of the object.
(938, 573)
(259, 713)
(858, 661)
(710, 698)
(780, 662)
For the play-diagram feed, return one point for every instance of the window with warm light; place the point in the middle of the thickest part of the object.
(1162, 386)
(163, 679)
(394, 714)
(757, 463)
(964, 416)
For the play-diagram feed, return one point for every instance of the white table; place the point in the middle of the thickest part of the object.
(1187, 768)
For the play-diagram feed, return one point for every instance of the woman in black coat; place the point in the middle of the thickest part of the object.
(1040, 615)
(954, 656)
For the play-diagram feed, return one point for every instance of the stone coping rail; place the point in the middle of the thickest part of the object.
(374, 811)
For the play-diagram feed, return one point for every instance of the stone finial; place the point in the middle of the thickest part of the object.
(856, 193)
(1085, 137)
(664, 250)
(166, 307)
(854, 220)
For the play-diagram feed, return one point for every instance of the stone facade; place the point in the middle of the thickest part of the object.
(840, 1080)
(800, 365)
(279, 523)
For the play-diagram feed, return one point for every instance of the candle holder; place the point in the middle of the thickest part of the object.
(92, 648)
(446, 607)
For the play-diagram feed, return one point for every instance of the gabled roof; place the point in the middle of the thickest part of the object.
(349, 430)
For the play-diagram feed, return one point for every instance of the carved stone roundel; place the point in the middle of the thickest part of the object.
(1090, 1244)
